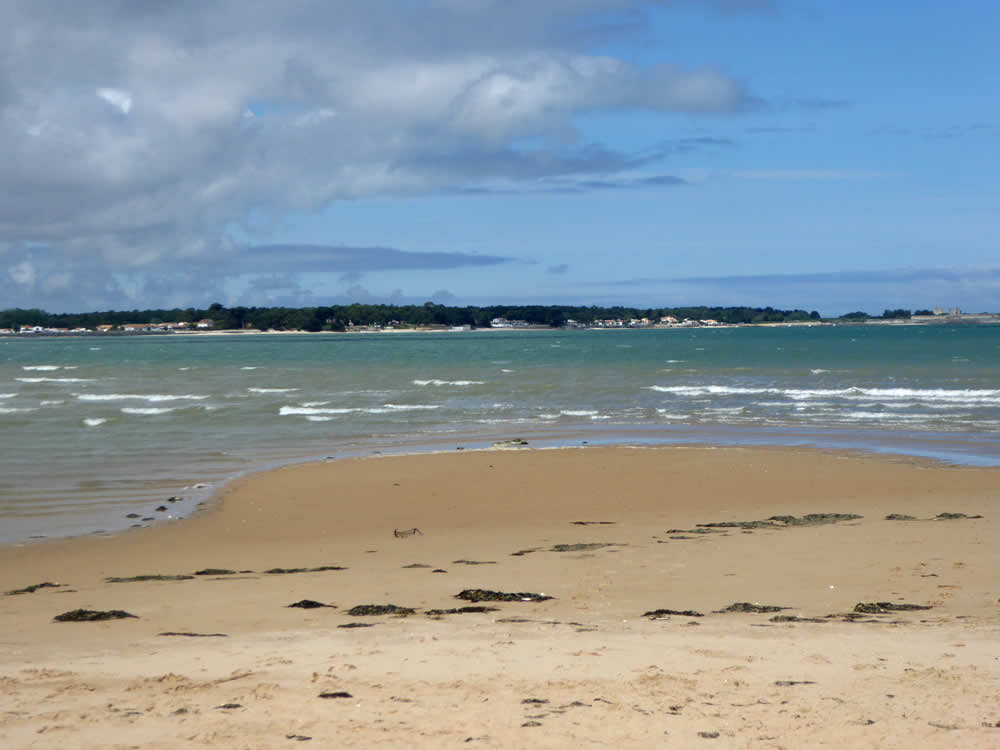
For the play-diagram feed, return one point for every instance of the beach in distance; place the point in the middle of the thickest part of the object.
(681, 596)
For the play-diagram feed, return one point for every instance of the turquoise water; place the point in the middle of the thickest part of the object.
(92, 429)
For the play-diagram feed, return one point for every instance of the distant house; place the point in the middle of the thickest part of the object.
(205, 323)
(135, 326)
(504, 323)
(104, 328)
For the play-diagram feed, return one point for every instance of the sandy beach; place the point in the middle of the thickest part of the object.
(887, 636)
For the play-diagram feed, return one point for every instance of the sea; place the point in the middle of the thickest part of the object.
(98, 432)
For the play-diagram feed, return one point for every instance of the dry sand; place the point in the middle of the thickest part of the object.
(582, 669)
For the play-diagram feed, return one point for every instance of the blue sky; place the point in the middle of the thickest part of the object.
(822, 155)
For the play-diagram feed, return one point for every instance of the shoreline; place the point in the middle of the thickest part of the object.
(610, 533)
(194, 500)
(966, 319)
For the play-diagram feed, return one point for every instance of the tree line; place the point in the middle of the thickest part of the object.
(339, 317)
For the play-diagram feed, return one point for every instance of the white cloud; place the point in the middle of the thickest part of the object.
(155, 126)
(22, 273)
(121, 100)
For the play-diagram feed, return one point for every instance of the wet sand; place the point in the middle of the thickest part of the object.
(609, 533)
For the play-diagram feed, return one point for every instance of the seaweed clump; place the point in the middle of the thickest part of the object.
(92, 615)
(883, 608)
(460, 611)
(33, 588)
(370, 610)
(657, 613)
(581, 546)
(485, 595)
(752, 608)
(286, 571)
(311, 604)
(783, 522)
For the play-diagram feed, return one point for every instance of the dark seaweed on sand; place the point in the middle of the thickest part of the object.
(784, 522)
(581, 546)
(881, 608)
(461, 611)
(286, 571)
(90, 615)
(151, 577)
(311, 604)
(485, 595)
(751, 608)
(33, 588)
(368, 610)
(663, 612)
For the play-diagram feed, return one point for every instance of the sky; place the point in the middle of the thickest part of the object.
(830, 155)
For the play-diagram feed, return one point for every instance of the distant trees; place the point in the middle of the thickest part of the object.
(340, 317)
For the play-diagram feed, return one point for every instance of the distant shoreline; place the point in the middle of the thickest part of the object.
(976, 319)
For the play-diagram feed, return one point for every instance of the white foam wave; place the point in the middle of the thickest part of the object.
(248, 368)
(7, 395)
(437, 382)
(504, 421)
(55, 380)
(94, 421)
(889, 416)
(312, 418)
(304, 410)
(43, 368)
(147, 410)
(955, 396)
(285, 411)
(578, 412)
(315, 403)
(151, 397)
(51, 402)
(16, 409)
(818, 371)
(667, 415)
(271, 390)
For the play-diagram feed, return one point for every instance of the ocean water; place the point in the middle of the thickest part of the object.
(94, 429)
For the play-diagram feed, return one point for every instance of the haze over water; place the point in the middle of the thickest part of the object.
(95, 428)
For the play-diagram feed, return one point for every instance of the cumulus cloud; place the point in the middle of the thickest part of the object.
(136, 133)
